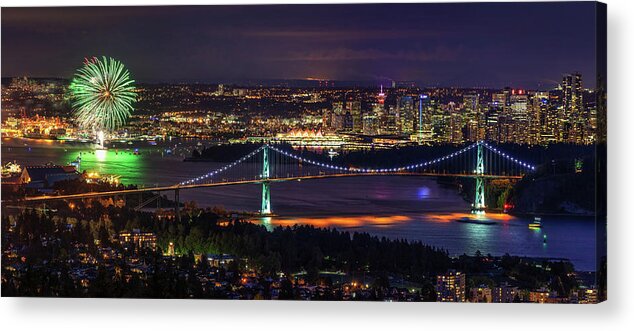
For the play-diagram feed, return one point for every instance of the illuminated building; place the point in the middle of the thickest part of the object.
(42, 177)
(336, 122)
(500, 100)
(471, 103)
(407, 115)
(456, 123)
(348, 121)
(138, 239)
(425, 125)
(476, 120)
(451, 287)
(220, 260)
(354, 109)
(370, 124)
(572, 103)
(392, 125)
(519, 102)
(590, 295)
(381, 96)
(496, 108)
(506, 128)
(37, 127)
(309, 138)
(441, 119)
(385, 120)
(539, 296)
(513, 122)
(504, 294)
(481, 293)
(539, 124)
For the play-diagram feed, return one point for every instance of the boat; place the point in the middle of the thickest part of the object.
(537, 223)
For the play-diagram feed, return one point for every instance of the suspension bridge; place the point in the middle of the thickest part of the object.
(269, 164)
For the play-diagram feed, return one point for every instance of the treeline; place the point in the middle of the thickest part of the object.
(301, 248)
(287, 249)
(559, 186)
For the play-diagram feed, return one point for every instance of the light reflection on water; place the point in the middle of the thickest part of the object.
(394, 207)
(337, 221)
(571, 238)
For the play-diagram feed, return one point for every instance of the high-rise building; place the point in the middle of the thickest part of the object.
(471, 103)
(572, 103)
(370, 124)
(537, 119)
(354, 108)
(456, 123)
(337, 121)
(392, 125)
(426, 107)
(326, 119)
(476, 123)
(381, 96)
(451, 287)
(441, 120)
(519, 103)
(405, 106)
(519, 117)
(499, 100)
(496, 108)
(506, 128)
(592, 122)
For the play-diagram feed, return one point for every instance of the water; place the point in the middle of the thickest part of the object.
(395, 207)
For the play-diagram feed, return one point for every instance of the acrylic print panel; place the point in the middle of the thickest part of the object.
(366, 152)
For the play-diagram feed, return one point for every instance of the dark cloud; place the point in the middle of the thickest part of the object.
(348, 54)
(492, 44)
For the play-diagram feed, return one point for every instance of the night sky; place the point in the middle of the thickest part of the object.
(527, 45)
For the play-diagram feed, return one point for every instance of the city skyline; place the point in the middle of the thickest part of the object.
(431, 44)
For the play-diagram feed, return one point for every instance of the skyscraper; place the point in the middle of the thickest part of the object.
(572, 103)
(337, 121)
(354, 107)
(426, 109)
(476, 123)
(496, 109)
(456, 123)
(539, 125)
(405, 105)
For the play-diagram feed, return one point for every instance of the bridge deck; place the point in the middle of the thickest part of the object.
(243, 182)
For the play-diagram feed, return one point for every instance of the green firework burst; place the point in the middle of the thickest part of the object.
(102, 94)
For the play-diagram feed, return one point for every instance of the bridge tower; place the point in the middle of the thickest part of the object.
(478, 204)
(266, 190)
